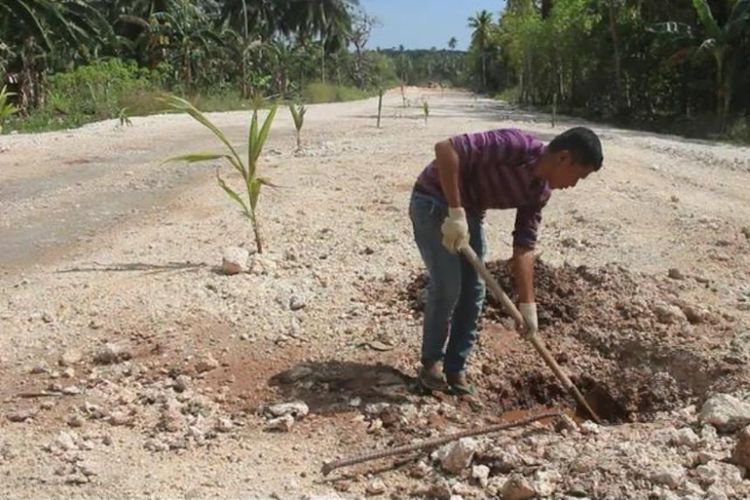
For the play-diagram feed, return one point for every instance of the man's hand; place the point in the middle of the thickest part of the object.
(455, 230)
(531, 323)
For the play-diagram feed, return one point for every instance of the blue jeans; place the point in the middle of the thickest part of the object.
(455, 293)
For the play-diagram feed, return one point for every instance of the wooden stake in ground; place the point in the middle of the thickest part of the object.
(554, 109)
(380, 105)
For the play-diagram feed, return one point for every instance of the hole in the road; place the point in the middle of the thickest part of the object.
(601, 401)
(629, 359)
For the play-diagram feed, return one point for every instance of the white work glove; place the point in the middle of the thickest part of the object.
(531, 323)
(455, 230)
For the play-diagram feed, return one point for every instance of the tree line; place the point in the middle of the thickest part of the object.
(680, 65)
(671, 63)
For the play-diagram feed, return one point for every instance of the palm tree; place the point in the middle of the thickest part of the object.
(481, 23)
(189, 35)
(131, 19)
(41, 29)
(259, 17)
(330, 20)
(182, 33)
(452, 43)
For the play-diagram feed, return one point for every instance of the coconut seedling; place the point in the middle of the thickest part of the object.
(124, 119)
(248, 169)
(6, 108)
(298, 115)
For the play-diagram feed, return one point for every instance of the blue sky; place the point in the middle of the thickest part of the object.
(422, 24)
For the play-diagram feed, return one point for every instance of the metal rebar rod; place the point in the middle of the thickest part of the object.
(431, 443)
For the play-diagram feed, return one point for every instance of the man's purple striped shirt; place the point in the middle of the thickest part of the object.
(495, 172)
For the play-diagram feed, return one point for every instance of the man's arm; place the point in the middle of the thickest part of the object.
(455, 229)
(524, 240)
(523, 272)
(447, 161)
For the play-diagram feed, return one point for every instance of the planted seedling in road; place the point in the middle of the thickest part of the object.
(122, 115)
(248, 169)
(298, 115)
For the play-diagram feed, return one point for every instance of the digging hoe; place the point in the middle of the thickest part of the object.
(496, 290)
(511, 309)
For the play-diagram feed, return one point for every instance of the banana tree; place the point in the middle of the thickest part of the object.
(189, 34)
(38, 30)
(723, 43)
(248, 169)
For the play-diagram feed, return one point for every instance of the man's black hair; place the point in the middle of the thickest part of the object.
(583, 144)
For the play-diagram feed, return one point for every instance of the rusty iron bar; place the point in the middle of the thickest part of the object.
(328, 467)
(511, 309)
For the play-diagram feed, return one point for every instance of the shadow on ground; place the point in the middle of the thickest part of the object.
(337, 386)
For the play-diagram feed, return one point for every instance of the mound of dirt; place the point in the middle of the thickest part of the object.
(628, 341)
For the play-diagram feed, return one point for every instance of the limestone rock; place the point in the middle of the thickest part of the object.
(455, 457)
(725, 412)
(234, 260)
(518, 488)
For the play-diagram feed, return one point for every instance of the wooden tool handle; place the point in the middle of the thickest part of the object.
(511, 309)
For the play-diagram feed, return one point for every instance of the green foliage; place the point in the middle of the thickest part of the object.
(511, 95)
(740, 130)
(645, 63)
(248, 170)
(426, 110)
(6, 108)
(100, 89)
(274, 48)
(639, 63)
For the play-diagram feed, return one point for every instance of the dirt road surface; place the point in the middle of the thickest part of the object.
(131, 366)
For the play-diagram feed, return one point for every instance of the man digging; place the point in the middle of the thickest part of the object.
(472, 173)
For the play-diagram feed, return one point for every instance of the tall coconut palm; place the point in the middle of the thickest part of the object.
(481, 23)
(329, 20)
(259, 17)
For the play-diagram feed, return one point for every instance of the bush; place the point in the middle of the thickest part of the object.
(100, 89)
(739, 130)
(510, 95)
